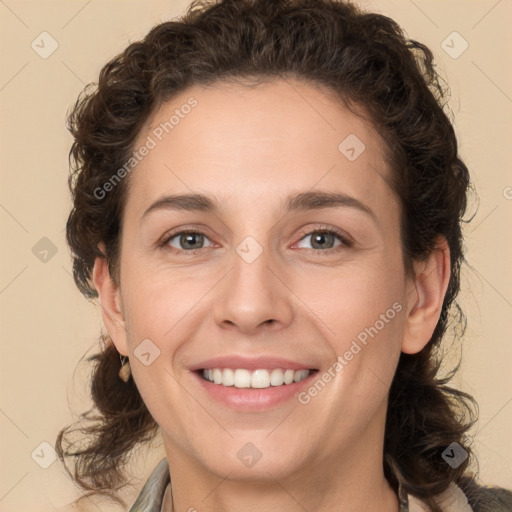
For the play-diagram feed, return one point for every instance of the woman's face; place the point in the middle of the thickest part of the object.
(261, 285)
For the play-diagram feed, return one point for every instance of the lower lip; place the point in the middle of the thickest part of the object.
(252, 399)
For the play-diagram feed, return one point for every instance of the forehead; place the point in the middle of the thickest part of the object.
(252, 142)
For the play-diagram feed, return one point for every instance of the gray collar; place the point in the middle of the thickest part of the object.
(403, 499)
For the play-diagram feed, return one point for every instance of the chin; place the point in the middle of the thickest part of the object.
(258, 461)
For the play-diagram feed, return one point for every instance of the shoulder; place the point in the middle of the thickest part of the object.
(484, 498)
(86, 504)
(468, 496)
(150, 496)
(452, 499)
(75, 507)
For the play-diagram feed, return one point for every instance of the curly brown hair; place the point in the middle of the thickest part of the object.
(370, 64)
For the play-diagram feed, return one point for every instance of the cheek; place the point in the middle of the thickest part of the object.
(366, 321)
(359, 298)
(158, 313)
(365, 313)
(155, 301)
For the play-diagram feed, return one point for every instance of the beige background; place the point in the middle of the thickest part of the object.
(47, 326)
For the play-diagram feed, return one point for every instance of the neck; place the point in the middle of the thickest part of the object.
(353, 480)
(348, 493)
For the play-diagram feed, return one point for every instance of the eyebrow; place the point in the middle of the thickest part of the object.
(303, 201)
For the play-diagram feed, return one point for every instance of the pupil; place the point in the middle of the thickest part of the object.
(191, 236)
(320, 237)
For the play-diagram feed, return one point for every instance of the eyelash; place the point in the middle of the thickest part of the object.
(346, 242)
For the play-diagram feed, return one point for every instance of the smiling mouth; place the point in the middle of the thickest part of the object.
(258, 379)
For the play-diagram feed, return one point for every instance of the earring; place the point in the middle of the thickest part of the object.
(124, 371)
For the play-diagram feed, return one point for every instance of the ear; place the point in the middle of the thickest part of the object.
(425, 300)
(110, 302)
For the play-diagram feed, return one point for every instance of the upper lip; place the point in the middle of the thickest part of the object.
(251, 363)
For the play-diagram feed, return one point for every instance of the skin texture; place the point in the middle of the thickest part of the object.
(251, 147)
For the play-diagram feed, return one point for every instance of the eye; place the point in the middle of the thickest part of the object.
(325, 239)
(191, 241)
(185, 241)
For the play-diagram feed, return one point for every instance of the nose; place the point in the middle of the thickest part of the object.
(254, 296)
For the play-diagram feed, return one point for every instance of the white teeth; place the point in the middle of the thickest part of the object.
(259, 379)
(217, 376)
(277, 377)
(300, 375)
(288, 376)
(242, 379)
(228, 377)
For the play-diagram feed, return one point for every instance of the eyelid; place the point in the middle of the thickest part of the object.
(164, 241)
(346, 240)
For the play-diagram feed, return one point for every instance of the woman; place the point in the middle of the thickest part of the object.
(268, 203)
